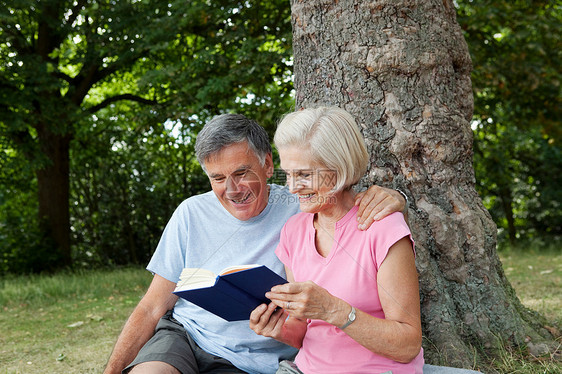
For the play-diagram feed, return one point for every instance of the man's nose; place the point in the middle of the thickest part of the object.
(232, 184)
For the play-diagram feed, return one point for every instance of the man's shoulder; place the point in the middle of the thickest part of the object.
(277, 189)
(280, 194)
(203, 198)
(281, 198)
(197, 204)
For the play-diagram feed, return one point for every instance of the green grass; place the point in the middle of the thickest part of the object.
(65, 323)
(536, 277)
(68, 323)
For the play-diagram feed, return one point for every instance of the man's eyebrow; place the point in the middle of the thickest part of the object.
(239, 169)
(242, 168)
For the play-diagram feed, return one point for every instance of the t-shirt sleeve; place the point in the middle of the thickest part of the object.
(282, 250)
(387, 232)
(168, 260)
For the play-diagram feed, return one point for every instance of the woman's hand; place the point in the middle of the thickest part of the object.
(307, 300)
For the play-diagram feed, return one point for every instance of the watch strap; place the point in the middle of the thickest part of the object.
(350, 318)
(403, 195)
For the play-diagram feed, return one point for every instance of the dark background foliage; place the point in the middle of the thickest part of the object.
(515, 47)
(129, 84)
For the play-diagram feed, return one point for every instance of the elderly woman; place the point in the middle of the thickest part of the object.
(352, 302)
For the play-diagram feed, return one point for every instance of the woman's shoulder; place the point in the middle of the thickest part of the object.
(300, 219)
(396, 218)
(391, 223)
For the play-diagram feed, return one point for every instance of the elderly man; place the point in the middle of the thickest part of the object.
(238, 222)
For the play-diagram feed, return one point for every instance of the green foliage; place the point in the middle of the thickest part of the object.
(109, 79)
(54, 55)
(515, 49)
(23, 248)
(128, 85)
(126, 182)
(227, 56)
(520, 169)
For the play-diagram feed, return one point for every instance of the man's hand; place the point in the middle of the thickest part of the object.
(376, 203)
(268, 320)
(274, 322)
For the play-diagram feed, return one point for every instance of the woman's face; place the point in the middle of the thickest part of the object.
(311, 182)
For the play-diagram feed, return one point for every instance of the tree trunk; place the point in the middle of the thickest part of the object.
(402, 68)
(53, 187)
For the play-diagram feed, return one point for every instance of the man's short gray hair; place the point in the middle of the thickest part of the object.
(228, 129)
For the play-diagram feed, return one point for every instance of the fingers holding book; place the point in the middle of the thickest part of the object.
(274, 322)
(268, 320)
(304, 300)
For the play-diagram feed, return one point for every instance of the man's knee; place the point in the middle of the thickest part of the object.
(154, 367)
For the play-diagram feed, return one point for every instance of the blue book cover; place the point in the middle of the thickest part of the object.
(233, 295)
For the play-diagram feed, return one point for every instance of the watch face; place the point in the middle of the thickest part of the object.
(351, 316)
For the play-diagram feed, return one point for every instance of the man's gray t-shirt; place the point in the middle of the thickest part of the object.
(202, 234)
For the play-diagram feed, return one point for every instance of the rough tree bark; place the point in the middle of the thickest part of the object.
(402, 68)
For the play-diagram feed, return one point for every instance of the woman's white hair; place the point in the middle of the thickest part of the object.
(332, 137)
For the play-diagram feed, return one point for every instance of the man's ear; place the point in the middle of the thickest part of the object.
(268, 165)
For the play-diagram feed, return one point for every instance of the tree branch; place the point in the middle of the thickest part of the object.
(61, 75)
(83, 82)
(90, 75)
(113, 99)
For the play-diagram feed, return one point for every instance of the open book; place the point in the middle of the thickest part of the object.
(233, 294)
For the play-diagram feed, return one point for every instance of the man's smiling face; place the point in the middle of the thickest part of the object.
(239, 180)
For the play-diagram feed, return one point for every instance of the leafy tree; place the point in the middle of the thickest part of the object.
(65, 66)
(54, 52)
(515, 49)
(125, 183)
(123, 69)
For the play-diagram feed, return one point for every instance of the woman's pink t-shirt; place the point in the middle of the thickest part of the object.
(350, 273)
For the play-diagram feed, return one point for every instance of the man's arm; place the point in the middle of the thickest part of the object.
(378, 202)
(139, 328)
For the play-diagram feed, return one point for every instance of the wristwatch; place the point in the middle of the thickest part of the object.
(350, 318)
(403, 195)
